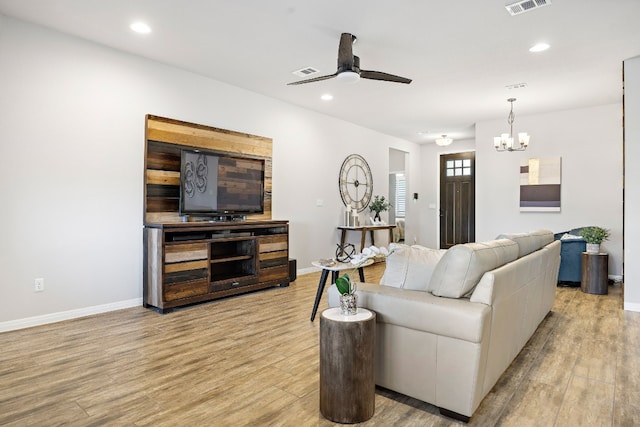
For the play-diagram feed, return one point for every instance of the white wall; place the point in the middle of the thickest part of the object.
(589, 140)
(71, 163)
(632, 183)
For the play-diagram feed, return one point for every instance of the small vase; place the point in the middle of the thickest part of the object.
(593, 248)
(348, 305)
(376, 217)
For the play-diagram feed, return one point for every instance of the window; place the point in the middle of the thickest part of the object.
(401, 195)
(459, 167)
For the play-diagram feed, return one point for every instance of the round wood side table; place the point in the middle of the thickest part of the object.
(595, 273)
(347, 383)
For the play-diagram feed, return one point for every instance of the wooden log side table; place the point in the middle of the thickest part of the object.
(363, 230)
(347, 383)
(335, 268)
(595, 273)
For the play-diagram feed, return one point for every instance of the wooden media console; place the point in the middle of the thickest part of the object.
(190, 262)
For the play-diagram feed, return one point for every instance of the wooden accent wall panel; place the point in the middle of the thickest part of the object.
(166, 137)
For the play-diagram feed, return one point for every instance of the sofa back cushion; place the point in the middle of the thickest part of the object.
(410, 267)
(462, 266)
(529, 242)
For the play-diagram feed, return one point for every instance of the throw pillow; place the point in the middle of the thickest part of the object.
(410, 267)
(567, 236)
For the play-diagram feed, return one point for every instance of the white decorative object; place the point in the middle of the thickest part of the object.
(593, 248)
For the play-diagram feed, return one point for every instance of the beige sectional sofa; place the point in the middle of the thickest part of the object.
(450, 322)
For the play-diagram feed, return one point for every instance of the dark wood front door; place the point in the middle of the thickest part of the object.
(457, 199)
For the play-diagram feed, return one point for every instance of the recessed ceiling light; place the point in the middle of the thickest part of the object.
(140, 28)
(539, 47)
(326, 97)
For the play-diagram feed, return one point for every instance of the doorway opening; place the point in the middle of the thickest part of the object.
(398, 161)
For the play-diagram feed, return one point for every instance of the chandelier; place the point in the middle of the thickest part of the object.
(505, 141)
(444, 141)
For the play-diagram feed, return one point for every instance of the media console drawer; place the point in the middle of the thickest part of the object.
(274, 273)
(186, 290)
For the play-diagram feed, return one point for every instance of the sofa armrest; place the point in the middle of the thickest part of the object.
(422, 311)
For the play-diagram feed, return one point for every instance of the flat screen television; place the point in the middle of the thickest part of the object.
(214, 184)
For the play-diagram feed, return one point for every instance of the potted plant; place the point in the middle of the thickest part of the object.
(594, 236)
(347, 287)
(379, 204)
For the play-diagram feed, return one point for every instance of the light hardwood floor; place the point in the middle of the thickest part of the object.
(253, 360)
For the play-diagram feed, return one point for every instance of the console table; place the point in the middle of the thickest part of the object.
(347, 384)
(363, 230)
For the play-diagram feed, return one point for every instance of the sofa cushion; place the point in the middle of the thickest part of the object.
(462, 266)
(410, 267)
(529, 242)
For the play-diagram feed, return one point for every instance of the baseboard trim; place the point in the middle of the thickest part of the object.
(28, 322)
(632, 306)
(454, 415)
(308, 270)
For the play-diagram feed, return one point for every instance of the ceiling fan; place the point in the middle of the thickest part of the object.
(349, 67)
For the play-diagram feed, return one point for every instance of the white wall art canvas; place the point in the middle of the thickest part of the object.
(540, 180)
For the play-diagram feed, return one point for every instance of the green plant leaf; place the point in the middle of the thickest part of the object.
(343, 284)
(379, 204)
(595, 234)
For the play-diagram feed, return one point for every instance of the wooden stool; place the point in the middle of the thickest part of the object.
(595, 273)
(347, 383)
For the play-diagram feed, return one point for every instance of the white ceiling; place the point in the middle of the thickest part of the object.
(460, 54)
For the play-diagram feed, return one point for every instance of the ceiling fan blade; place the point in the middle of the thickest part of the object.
(379, 75)
(345, 52)
(314, 79)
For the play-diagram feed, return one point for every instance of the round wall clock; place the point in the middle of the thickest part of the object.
(355, 182)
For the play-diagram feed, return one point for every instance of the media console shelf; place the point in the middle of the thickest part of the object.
(191, 262)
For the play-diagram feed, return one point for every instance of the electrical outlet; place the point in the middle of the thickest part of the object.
(38, 285)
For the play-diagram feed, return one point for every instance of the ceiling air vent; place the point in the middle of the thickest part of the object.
(523, 6)
(516, 86)
(306, 71)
